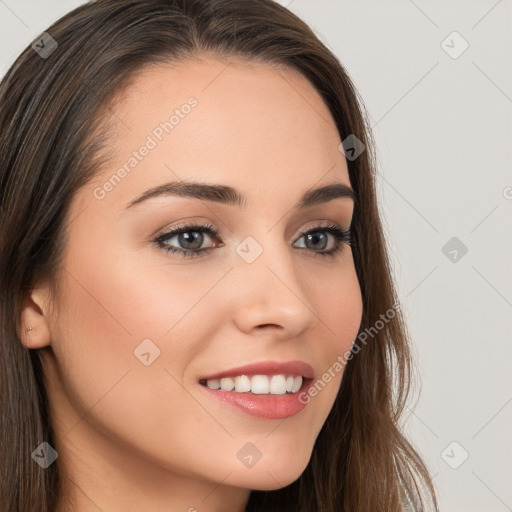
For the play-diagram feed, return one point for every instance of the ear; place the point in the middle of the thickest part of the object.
(34, 329)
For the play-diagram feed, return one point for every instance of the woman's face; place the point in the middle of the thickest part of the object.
(139, 326)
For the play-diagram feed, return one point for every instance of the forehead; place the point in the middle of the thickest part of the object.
(253, 125)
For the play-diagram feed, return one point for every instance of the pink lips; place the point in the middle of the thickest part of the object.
(266, 368)
(265, 406)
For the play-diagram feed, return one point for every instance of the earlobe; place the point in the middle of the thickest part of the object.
(34, 329)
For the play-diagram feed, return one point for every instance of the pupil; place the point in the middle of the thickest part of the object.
(315, 237)
(196, 239)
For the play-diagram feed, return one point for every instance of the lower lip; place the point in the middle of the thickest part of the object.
(268, 406)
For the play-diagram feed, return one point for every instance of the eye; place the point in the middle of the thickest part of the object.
(316, 238)
(192, 236)
(189, 236)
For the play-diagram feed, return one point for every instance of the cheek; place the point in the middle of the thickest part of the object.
(103, 317)
(111, 307)
(340, 307)
(120, 305)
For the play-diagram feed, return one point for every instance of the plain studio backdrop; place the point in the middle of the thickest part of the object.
(437, 82)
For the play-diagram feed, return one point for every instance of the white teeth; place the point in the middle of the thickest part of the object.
(278, 385)
(242, 384)
(258, 384)
(227, 384)
(213, 383)
(297, 383)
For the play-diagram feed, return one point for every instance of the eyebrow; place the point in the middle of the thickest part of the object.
(225, 194)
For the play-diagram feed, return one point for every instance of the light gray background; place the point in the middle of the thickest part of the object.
(443, 128)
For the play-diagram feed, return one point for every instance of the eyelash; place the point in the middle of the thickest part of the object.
(340, 235)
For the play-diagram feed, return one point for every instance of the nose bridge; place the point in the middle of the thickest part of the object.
(269, 290)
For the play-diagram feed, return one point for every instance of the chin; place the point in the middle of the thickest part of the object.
(272, 476)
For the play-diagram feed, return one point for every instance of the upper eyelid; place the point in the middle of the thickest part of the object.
(183, 228)
(207, 227)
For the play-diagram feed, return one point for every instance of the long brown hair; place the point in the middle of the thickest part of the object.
(51, 141)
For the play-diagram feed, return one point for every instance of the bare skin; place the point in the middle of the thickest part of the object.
(133, 437)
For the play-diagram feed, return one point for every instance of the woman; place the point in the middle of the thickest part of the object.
(197, 305)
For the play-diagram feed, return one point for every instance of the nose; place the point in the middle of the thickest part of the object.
(270, 295)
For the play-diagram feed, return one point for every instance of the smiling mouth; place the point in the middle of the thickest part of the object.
(280, 384)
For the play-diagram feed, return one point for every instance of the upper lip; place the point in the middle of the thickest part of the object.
(266, 368)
